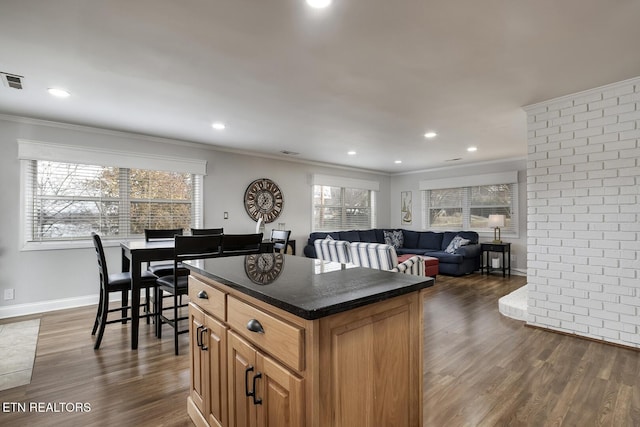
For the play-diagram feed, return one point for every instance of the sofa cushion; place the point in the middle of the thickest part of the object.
(322, 235)
(471, 236)
(456, 242)
(410, 239)
(368, 236)
(446, 258)
(430, 240)
(350, 236)
(394, 238)
(448, 236)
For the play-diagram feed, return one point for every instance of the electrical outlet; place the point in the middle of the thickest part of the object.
(9, 294)
(513, 259)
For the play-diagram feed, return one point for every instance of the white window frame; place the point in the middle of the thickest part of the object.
(466, 183)
(36, 150)
(345, 183)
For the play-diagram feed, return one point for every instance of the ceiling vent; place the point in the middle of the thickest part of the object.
(12, 80)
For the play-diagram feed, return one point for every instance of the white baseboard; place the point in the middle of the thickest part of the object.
(45, 306)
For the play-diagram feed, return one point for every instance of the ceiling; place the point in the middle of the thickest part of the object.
(365, 75)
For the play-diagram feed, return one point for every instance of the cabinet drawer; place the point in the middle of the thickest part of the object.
(281, 339)
(208, 298)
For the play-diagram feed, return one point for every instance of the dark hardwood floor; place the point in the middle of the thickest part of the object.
(480, 369)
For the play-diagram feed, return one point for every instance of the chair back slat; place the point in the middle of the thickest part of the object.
(195, 247)
(241, 244)
(102, 261)
(161, 234)
(206, 231)
(280, 239)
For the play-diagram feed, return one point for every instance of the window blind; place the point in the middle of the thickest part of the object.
(68, 201)
(468, 208)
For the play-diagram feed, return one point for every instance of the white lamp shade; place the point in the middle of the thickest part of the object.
(496, 221)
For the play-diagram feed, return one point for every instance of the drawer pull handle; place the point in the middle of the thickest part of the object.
(255, 326)
(203, 295)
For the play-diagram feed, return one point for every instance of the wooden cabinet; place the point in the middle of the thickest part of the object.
(255, 365)
(262, 392)
(208, 366)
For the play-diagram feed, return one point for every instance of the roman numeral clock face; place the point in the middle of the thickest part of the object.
(263, 199)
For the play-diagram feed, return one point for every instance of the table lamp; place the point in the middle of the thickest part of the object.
(495, 222)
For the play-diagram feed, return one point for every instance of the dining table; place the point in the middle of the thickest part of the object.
(134, 254)
(137, 252)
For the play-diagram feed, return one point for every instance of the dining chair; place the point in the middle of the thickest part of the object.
(176, 284)
(241, 244)
(280, 240)
(206, 231)
(154, 235)
(111, 283)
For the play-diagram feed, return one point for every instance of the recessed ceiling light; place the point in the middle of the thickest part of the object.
(60, 93)
(218, 126)
(472, 149)
(319, 4)
(430, 135)
(397, 162)
(351, 153)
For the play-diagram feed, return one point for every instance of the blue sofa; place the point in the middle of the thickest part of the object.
(465, 260)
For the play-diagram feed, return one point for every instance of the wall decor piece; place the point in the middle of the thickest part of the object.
(263, 199)
(405, 207)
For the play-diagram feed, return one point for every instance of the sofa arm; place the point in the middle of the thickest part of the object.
(414, 266)
(469, 251)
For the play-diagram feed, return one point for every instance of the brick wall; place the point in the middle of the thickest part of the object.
(583, 180)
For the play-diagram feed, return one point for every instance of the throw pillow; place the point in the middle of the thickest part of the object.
(394, 238)
(328, 237)
(456, 242)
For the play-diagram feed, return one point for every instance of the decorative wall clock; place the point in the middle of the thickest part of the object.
(263, 269)
(263, 199)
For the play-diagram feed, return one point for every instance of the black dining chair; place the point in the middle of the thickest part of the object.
(154, 235)
(115, 282)
(206, 231)
(280, 240)
(176, 285)
(241, 244)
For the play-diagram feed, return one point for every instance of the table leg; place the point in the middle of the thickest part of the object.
(135, 301)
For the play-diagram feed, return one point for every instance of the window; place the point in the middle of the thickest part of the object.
(342, 208)
(68, 201)
(468, 208)
(67, 192)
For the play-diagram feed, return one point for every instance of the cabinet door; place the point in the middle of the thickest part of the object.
(280, 393)
(214, 352)
(241, 370)
(197, 362)
(371, 365)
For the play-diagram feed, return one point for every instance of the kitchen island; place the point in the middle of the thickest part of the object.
(279, 340)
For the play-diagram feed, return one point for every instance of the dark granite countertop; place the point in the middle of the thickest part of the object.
(307, 287)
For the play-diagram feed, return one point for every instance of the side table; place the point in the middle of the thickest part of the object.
(504, 248)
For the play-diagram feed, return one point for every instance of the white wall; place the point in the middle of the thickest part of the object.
(410, 182)
(584, 213)
(42, 278)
